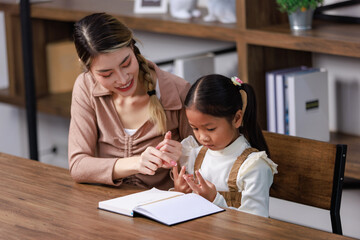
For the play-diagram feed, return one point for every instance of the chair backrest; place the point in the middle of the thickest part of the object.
(310, 172)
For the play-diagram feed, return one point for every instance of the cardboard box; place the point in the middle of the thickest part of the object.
(63, 66)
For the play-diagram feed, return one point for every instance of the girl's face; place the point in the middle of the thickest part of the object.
(117, 71)
(215, 133)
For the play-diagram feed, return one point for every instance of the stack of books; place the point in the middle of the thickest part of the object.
(297, 102)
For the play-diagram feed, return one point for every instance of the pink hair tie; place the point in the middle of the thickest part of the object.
(236, 81)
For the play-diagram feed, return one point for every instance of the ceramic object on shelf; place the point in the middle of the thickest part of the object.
(301, 19)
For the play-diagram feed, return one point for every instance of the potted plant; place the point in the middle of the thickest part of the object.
(300, 12)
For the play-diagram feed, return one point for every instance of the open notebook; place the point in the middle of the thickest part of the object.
(167, 207)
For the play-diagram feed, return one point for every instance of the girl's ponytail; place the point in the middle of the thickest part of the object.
(250, 127)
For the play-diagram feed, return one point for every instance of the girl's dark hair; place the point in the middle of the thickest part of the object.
(100, 33)
(216, 95)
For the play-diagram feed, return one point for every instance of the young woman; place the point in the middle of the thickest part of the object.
(231, 166)
(122, 106)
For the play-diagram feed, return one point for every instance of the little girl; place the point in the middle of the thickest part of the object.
(232, 167)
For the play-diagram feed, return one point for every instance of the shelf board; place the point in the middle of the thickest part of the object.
(326, 37)
(71, 11)
(7, 97)
(55, 104)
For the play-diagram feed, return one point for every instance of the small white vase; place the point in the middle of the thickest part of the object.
(301, 20)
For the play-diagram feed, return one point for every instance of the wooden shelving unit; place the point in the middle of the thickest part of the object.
(262, 36)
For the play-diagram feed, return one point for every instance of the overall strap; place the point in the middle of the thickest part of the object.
(199, 159)
(235, 168)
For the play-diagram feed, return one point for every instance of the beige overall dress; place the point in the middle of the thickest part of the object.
(233, 197)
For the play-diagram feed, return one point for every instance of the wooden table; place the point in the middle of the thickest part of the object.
(40, 201)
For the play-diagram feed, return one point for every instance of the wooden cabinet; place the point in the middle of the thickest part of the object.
(262, 35)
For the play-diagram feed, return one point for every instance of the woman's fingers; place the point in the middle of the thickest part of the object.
(151, 160)
(164, 155)
(168, 161)
(170, 146)
(166, 137)
(172, 149)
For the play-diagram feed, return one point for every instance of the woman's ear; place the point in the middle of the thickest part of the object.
(237, 121)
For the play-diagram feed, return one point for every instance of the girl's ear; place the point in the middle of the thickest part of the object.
(237, 121)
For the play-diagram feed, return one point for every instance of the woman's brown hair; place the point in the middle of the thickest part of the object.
(102, 33)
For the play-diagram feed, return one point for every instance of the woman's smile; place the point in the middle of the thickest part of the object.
(126, 87)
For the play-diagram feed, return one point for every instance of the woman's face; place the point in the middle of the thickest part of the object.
(117, 71)
(215, 133)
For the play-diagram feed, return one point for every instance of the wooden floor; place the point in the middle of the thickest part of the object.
(352, 166)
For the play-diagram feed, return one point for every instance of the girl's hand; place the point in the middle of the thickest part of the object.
(171, 148)
(204, 188)
(180, 183)
(152, 159)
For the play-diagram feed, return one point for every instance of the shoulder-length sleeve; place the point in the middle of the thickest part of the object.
(83, 134)
(189, 152)
(254, 180)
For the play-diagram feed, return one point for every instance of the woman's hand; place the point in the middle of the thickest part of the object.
(204, 188)
(180, 183)
(165, 155)
(171, 148)
(152, 159)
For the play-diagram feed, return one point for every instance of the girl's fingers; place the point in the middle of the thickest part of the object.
(200, 178)
(175, 172)
(182, 171)
(191, 176)
(191, 184)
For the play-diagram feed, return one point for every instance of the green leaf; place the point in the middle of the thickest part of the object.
(290, 6)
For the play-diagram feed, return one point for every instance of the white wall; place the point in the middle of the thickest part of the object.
(344, 91)
(13, 139)
(52, 132)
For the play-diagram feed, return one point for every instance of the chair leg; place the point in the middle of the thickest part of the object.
(336, 223)
(337, 188)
